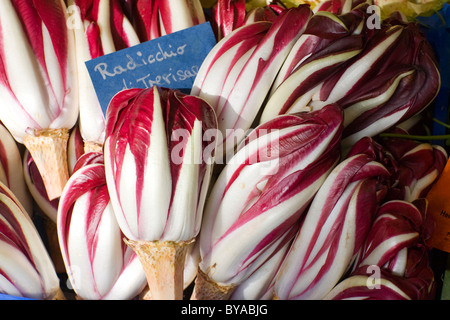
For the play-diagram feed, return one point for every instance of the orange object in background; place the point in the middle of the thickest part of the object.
(439, 211)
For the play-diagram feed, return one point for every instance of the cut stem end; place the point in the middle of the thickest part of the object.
(207, 289)
(90, 146)
(49, 151)
(59, 295)
(163, 263)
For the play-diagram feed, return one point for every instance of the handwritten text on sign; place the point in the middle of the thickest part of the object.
(170, 61)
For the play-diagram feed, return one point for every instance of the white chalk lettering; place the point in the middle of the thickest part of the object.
(131, 65)
(137, 60)
(166, 79)
(101, 67)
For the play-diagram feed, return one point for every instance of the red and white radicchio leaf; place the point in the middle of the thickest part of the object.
(333, 230)
(39, 83)
(243, 84)
(25, 267)
(98, 263)
(158, 163)
(100, 27)
(256, 203)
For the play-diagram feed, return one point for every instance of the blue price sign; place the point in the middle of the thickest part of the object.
(170, 61)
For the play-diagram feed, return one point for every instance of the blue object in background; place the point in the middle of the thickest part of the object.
(8, 297)
(437, 31)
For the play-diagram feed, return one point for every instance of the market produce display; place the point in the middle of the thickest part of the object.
(296, 167)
